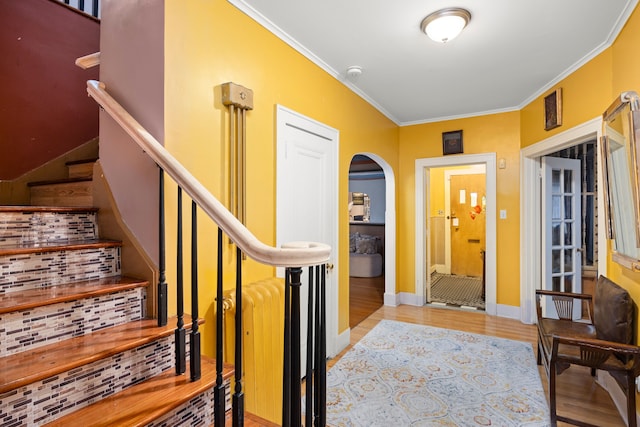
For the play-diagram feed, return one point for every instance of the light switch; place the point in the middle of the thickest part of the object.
(456, 222)
(503, 214)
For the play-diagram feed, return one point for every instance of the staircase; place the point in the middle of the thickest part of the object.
(77, 345)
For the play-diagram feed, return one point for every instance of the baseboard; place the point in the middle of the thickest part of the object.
(410, 299)
(508, 311)
(391, 300)
(617, 395)
(342, 341)
(438, 268)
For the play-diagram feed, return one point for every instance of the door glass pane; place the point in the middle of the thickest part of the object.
(567, 180)
(555, 284)
(556, 207)
(568, 261)
(556, 260)
(555, 181)
(568, 207)
(588, 230)
(555, 233)
(568, 236)
(568, 283)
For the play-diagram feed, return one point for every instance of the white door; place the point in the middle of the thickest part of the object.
(561, 228)
(306, 206)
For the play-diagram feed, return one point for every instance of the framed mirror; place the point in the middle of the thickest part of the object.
(620, 160)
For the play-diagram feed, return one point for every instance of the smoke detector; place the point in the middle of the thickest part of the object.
(353, 72)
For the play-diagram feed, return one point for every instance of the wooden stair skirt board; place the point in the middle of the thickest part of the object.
(74, 332)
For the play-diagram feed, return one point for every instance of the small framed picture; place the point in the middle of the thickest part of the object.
(553, 109)
(452, 142)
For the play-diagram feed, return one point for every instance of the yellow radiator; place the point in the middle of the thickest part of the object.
(263, 326)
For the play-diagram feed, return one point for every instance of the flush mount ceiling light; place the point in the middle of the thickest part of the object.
(445, 24)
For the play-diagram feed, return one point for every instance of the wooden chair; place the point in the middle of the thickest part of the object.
(603, 339)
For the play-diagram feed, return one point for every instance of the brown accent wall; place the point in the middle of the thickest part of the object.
(44, 108)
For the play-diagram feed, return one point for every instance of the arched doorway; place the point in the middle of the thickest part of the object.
(372, 237)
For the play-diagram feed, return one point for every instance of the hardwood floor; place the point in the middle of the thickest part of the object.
(366, 295)
(578, 395)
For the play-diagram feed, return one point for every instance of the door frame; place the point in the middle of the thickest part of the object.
(548, 165)
(422, 232)
(390, 296)
(531, 205)
(283, 116)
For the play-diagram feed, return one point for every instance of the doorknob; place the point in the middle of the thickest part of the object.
(329, 266)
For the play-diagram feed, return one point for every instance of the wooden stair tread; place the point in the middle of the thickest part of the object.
(57, 209)
(43, 362)
(31, 298)
(59, 181)
(30, 248)
(145, 402)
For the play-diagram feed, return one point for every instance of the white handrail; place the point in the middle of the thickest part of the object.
(88, 61)
(295, 254)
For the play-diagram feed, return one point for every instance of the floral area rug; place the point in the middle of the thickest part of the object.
(401, 374)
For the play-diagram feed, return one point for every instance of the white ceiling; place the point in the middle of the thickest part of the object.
(511, 52)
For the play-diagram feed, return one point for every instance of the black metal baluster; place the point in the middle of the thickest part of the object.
(317, 353)
(180, 334)
(81, 5)
(194, 341)
(286, 368)
(238, 396)
(96, 8)
(309, 375)
(219, 391)
(322, 360)
(162, 279)
(296, 393)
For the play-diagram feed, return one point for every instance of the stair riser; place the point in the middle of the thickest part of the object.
(47, 400)
(18, 228)
(81, 170)
(29, 329)
(66, 194)
(38, 270)
(197, 412)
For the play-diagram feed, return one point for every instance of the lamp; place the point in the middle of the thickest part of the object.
(445, 24)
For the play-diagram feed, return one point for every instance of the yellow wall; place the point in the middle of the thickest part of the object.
(586, 94)
(626, 76)
(497, 133)
(208, 43)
